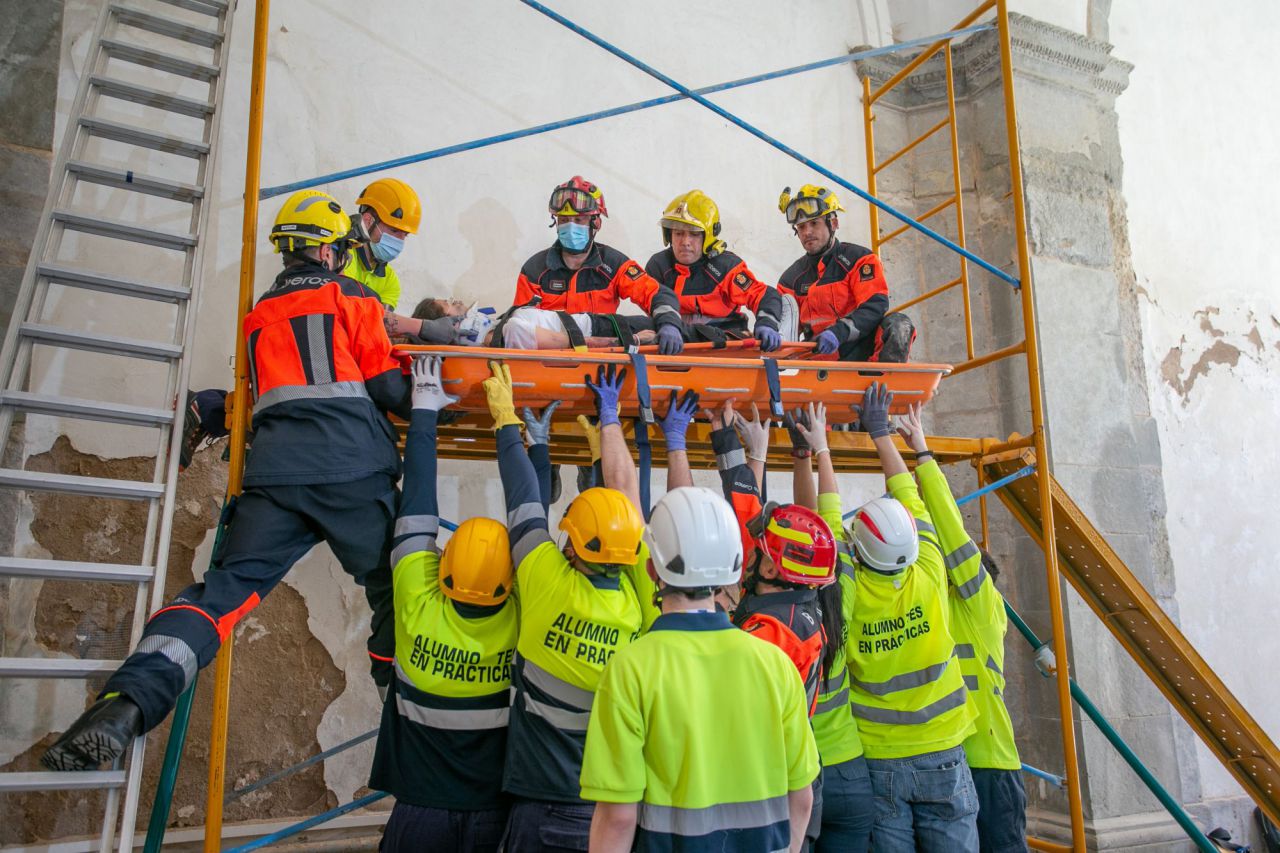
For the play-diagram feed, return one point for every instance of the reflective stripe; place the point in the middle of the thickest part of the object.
(853, 330)
(993, 666)
(970, 588)
(949, 702)
(766, 317)
(971, 682)
(905, 681)
(524, 512)
(173, 648)
(556, 688)
(959, 555)
(834, 703)
(567, 721)
(527, 543)
(673, 820)
(459, 720)
(664, 309)
(924, 527)
(332, 391)
(412, 546)
(732, 459)
(965, 650)
(318, 349)
(406, 524)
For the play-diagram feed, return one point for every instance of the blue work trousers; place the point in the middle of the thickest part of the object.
(924, 804)
(1002, 810)
(848, 808)
(535, 826)
(414, 829)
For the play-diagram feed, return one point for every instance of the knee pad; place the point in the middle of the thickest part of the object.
(789, 322)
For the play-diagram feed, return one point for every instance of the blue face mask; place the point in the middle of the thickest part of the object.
(573, 236)
(388, 247)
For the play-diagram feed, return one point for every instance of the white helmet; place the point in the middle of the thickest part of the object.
(693, 539)
(884, 534)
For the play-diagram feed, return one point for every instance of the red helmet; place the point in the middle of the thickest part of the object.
(800, 544)
(575, 197)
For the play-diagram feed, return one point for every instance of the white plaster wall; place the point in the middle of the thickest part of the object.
(1199, 162)
(913, 19)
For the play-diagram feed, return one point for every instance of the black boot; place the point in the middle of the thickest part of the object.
(555, 483)
(99, 736)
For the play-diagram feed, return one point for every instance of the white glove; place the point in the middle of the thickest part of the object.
(428, 388)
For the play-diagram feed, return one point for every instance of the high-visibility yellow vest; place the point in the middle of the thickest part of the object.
(833, 724)
(380, 278)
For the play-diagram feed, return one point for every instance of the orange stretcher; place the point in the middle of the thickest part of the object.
(541, 377)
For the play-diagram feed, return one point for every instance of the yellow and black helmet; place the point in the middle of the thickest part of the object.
(309, 218)
(811, 202)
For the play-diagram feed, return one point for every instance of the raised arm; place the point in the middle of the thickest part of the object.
(873, 415)
(616, 464)
(802, 491)
(537, 433)
(526, 518)
(736, 479)
(675, 426)
(755, 435)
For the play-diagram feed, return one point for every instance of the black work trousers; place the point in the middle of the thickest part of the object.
(271, 528)
(889, 342)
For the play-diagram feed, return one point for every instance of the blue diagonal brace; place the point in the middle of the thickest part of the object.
(764, 137)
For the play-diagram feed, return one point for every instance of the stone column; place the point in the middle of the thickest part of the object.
(1102, 438)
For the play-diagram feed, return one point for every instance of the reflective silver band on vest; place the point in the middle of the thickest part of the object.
(905, 681)
(173, 648)
(411, 546)
(965, 650)
(673, 820)
(971, 682)
(406, 524)
(556, 688)
(924, 527)
(458, 720)
(952, 700)
(524, 547)
(318, 349)
(568, 721)
(834, 703)
(332, 391)
(993, 666)
(732, 459)
(525, 512)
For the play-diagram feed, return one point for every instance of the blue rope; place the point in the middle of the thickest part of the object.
(303, 826)
(486, 141)
(987, 489)
(764, 137)
(1045, 775)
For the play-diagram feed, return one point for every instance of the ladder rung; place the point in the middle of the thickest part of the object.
(207, 7)
(61, 780)
(127, 179)
(166, 26)
(30, 567)
(109, 344)
(56, 667)
(158, 60)
(72, 484)
(92, 410)
(89, 280)
(131, 135)
(151, 97)
(123, 230)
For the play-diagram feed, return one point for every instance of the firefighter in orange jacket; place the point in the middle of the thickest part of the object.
(712, 283)
(324, 467)
(577, 275)
(840, 287)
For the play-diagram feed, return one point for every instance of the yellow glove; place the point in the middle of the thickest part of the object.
(497, 391)
(593, 437)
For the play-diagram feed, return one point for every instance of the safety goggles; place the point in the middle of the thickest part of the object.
(577, 200)
(804, 208)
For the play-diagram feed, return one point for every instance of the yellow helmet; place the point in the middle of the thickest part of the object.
(309, 218)
(811, 202)
(476, 566)
(604, 527)
(694, 209)
(395, 203)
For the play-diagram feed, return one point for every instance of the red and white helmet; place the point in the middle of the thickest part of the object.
(800, 544)
(884, 535)
(693, 539)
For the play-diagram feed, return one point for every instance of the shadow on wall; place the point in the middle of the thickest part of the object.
(491, 232)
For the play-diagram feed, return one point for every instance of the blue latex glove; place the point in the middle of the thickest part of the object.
(670, 341)
(873, 414)
(607, 388)
(676, 423)
(769, 338)
(827, 343)
(537, 428)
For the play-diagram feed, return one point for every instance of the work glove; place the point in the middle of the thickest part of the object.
(676, 423)
(428, 388)
(497, 391)
(670, 341)
(593, 437)
(873, 414)
(799, 444)
(607, 389)
(827, 343)
(769, 338)
(755, 435)
(442, 330)
(813, 426)
(537, 428)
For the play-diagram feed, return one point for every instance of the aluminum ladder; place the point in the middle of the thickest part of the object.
(162, 60)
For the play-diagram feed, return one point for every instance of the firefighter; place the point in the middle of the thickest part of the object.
(443, 738)
(699, 736)
(712, 283)
(577, 275)
(324, 468)
(840, 287)
(387, 212)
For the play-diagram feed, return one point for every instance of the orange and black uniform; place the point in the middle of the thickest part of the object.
(714, 290)
(843, 289)
(323, 468)
(605, 278)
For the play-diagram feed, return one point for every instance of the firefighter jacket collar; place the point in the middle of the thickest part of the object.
(311, 274)
(770, 600)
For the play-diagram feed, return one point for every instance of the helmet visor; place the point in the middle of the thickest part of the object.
(568, 201)
(803, 208)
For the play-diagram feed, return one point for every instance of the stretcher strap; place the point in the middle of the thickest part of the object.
(775, 387)
(641, 369)
(622, 330)
(576, 340)
(646, 464)
(498, 340)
